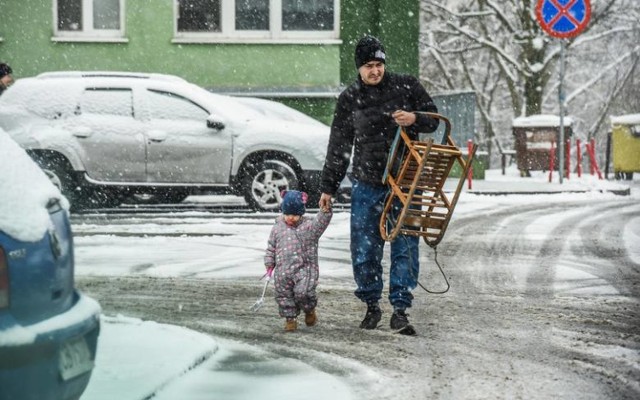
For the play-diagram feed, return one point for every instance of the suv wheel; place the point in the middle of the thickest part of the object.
(264, 181)
(61, 177)
(54, 178)
(82, 196)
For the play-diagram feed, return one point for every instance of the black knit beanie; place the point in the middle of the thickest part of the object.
(369, 49)
(5, 69)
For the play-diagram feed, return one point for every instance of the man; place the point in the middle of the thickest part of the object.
(5, 77)
(365, 121)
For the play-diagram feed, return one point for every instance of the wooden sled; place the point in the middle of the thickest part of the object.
(416, 179)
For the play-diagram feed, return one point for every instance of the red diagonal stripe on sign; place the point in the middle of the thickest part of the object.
(563, 11)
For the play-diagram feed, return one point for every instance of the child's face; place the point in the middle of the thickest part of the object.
(291, 220)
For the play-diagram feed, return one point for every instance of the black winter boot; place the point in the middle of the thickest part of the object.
(400, 323)
(372, 317)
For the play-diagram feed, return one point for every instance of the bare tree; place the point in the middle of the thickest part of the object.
(498, 49)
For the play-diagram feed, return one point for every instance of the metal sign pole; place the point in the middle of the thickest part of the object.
(562, 19)
(561, 103)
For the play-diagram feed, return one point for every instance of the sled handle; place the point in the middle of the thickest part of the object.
(395, 145)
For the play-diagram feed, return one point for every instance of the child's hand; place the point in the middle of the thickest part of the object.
(325, 201)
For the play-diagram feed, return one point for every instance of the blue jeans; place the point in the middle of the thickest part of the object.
(367, 247)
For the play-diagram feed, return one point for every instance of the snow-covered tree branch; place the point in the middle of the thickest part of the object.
(499, 48)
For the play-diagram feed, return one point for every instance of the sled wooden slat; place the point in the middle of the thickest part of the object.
(436, 204)
(416, 173)
(423, 213)
(423, 234)
(421, 222)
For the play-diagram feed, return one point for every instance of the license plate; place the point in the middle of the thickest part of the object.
(75, 359)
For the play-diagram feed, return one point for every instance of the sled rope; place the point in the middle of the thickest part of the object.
(435, 258)
(444, 276)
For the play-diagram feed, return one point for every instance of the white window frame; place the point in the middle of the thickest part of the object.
(88, 33)
(229, 34)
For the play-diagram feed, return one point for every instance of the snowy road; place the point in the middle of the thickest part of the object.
(544, 299)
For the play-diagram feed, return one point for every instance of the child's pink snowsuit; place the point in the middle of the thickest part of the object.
(293, 251)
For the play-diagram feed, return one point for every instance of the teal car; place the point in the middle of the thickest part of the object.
(48, 329)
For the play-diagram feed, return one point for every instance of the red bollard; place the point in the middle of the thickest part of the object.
(552, 160)
(469, 151)
(567, 158)
(588, 147)
(578, 158)
(594, 161)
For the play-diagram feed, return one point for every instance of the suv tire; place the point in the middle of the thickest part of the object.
(62, 176)
(80, 195)
(264, 181)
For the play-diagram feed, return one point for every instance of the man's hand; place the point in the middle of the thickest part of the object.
(325, 201)
(404, 118)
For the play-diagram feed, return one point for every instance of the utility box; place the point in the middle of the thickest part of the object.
(625, 137)
(534, 136)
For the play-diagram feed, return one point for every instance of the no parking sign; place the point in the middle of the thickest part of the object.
(563, 18)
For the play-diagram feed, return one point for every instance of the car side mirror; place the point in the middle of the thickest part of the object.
(215, 122)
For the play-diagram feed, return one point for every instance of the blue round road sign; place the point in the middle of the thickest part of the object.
(563, 18)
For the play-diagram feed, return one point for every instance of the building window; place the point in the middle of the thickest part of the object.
(89, 18)
(199, 16)
(252, 15)
(260, 20)
(314, 15)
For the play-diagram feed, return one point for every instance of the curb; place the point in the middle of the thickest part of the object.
(619, 192)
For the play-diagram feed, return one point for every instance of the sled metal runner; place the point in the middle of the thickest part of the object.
(416, 173)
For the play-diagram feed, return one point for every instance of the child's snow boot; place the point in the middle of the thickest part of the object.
(290, 325)
(310, 318)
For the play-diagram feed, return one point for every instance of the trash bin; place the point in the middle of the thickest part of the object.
(625, 137)
(478, 166)
(533, 137)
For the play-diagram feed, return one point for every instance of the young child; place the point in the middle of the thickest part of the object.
(292, 250)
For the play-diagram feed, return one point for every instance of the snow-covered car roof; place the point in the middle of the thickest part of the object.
(72, 83)
(109, 74)
(25, 192)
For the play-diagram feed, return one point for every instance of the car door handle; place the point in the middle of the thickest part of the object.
(157, 135)
(81, 132)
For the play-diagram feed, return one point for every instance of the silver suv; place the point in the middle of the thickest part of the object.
(103, 137)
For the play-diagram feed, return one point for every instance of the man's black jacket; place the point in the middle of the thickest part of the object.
(362, 122)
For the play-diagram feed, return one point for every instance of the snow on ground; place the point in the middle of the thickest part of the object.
(135, 357)
(139, 358)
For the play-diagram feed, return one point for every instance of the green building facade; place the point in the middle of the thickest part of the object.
(299, 52)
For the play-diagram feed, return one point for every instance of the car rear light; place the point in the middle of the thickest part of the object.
(4, 280)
